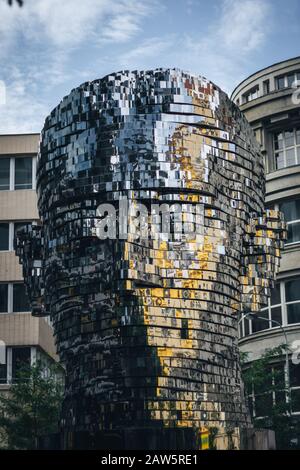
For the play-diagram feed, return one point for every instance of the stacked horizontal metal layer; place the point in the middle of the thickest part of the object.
(147, 325)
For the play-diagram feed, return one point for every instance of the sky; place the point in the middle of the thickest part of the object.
(48, 47)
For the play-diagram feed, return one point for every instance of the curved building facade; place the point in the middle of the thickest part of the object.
(270, 100)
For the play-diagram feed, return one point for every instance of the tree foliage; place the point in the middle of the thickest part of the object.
(31, 407)
(266, 380)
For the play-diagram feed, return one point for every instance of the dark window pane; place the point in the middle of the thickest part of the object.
(20, 225)
(295, 398)
(250, 404)
(280, 397)
(3, 373)
(264, 384)
(3, 370)
(266, 87)
(280, 83)
(275, 295)
(295, 375)
(4, 237)
(293, 313)
(292, 290)
(263, 404)
(276, 317)
(293, 233)
(20, 359)
(291, 210)
(279, 376)
(20, 299)
(3, 298)
(23, 173)
(247, 329)
(4, 173)
(258, 324)
(280, 160)
(291, 79)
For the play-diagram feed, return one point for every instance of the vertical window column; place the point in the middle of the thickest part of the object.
(286, 148)
(4, 174)
(291, 211)
(23, 173)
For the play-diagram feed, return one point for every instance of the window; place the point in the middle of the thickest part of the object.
(287, 148)
(295, 399)
(251, 95)
(295, 386)
(13, 298)
(295, 375)
(270, 391)
(287, 81)
(3, 369)
(20, 298)
(280, 81)
(19, 226)
(292, 295)
(290, 80)
(283, 309)
(23, 173)
(3, 298)
(4, 237)
(4, 173)
(17, 173)
(8, 232)
(20, 359)
(263, 402)
(266, 87)
(291, 210)
(272, 314)
(258, 324)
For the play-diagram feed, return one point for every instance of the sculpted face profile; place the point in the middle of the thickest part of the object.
(146, 318)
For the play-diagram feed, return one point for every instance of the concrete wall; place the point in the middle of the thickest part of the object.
(19, 144)
(20, 329)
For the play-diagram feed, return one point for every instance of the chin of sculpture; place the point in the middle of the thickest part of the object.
(145, 308)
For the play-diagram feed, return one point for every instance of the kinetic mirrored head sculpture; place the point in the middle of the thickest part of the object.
(146, 319)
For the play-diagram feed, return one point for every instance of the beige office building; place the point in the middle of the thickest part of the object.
(23, 338)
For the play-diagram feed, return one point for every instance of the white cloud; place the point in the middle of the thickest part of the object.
(243, 24)
(22, 112)
(223, 52)
(147, 52)
(67, 23)
(45, 34)
(125, 20)
(48, 33)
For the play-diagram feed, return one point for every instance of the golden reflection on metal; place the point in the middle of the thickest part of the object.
(147, 328)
